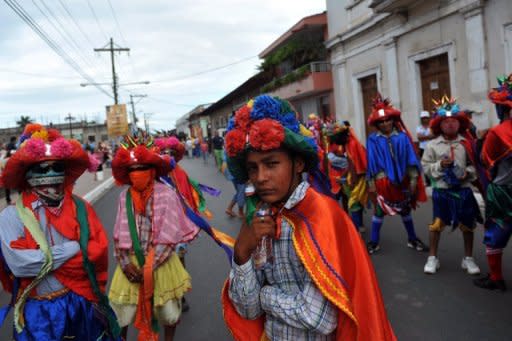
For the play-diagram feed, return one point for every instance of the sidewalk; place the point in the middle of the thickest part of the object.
(84, 185)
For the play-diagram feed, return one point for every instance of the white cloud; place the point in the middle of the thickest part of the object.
(168, 40)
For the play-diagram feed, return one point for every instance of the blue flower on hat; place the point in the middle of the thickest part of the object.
(289, 120)
(265, 107)
(312, 142)
(231, 123)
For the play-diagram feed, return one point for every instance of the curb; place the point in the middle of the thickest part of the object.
(95, 194)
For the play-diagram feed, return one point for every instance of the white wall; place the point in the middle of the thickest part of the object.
(478, 42)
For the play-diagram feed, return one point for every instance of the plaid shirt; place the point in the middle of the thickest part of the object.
(145, 232)
(295, 309)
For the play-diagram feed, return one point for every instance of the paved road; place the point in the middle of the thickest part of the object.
(445, 306)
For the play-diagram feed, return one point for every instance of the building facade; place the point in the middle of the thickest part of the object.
(300, 67)
(415, 51)
(220, 111)
(193, 123)
(82, 131)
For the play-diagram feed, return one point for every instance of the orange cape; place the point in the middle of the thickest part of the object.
(335, 257)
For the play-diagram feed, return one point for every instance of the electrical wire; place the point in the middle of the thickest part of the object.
(19, 10)
(62, 32)
(204, 71)
(96, 18)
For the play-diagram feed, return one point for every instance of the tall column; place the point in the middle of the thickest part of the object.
(392, 71)
(341, 90)
(477, 59)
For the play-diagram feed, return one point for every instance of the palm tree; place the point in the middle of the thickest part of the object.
(23, 121)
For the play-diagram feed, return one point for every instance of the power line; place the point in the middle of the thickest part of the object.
(122, 36)
(203, 72)
(68, 11)
(117, 22)
(54, 46)
(39, 74)
(96, 18)
(62, 32)
(168, 102)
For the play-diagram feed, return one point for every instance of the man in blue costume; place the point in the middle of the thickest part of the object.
(394, 182)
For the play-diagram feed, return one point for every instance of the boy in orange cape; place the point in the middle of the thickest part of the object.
(300, 269)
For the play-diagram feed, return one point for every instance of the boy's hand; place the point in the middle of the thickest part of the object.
(133, 274)
(445, 163)
(250, 236)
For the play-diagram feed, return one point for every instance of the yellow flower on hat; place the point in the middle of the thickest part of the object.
(41, 134)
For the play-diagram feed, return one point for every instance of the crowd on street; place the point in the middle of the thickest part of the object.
(301, 268)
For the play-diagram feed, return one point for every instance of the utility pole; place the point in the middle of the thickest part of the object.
(134, 117)
(146, 122)
(110, 48)
(70, 119)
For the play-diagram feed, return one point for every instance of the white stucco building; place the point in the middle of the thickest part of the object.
(413, 51)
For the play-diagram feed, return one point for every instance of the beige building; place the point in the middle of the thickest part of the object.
(82, 131)
(413, 51)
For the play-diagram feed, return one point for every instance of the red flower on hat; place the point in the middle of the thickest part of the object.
(266, 134)
(235, 142)
(242, 117)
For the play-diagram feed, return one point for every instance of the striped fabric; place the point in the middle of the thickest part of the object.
(295, 309)
(170, 224)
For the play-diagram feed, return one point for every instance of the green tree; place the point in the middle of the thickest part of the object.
(23, 121)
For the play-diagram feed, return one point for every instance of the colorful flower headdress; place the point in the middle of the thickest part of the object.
(263, 124)
(382, 109)
(37, 144)
(444, 108)
(177, 148)
(502, 95)
(138, 149)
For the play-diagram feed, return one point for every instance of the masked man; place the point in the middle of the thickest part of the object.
(55, 251)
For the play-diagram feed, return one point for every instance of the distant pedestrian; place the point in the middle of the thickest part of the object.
(239, 196)
(204, 151)
(423, 132)
(218, 148)
(189, 146)
(10, 149)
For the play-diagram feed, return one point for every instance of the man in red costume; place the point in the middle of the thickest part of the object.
(347, 171)
(54, 248)
(497, 158)
(300, 270)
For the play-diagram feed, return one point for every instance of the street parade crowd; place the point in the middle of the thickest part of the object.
(300, 269)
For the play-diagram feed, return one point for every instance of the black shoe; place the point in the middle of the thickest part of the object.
(184, 305)
(418, 245)
(373, 247)
(489, 284)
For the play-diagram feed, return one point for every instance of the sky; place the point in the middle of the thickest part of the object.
(192, 52)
